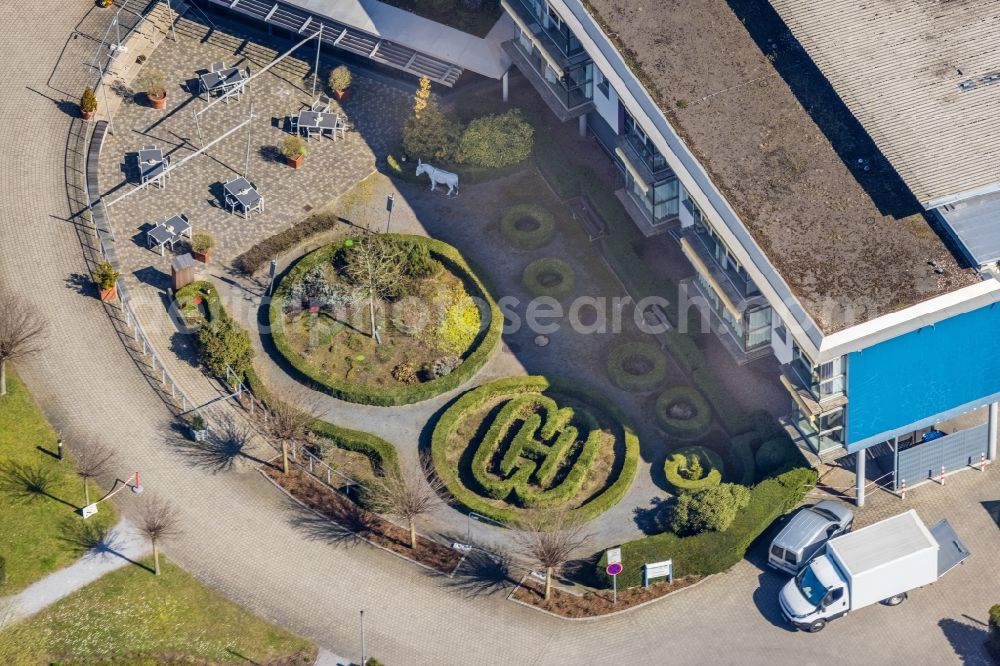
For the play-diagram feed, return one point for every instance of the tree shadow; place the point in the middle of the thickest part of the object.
(89, 539)
(654, 519)
(350, 525)
(30, 483)
(220, 451)
(482, 573)
(968, 642)
(82, 284)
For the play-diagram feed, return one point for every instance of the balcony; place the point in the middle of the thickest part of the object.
(565, 103)
(651, 167)
(556, 39)
(731, 340)
(805, 396)
(733, 289)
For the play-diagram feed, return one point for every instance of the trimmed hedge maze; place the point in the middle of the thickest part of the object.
(525, 443)
(686, 475)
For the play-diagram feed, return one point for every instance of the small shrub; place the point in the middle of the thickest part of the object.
(340, 78)
(637, 366)
(683, 413)
(293, 146)
(441, 367)
(527, 226)
(548, 277)
(152, 80)
(496, 141)
(693, 468)
(261, 254)
(713, 509)
(202, 242)
(428, 133)
(993, 641)
(88, 102)
(418, 260)
(223, 343)
(772, 455)
(405, 373)
(105, 275)
(460, 325)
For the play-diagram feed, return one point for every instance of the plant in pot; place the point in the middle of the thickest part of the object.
(201, 245)
(106, 278)
(294, 150)
(105, 3)
(156, 91)
(340, 82)
(88, 104)
(199, 429)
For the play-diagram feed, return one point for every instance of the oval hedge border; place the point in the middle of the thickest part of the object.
(533, 272)
(527, 239)
(693, 428)
(483, 347)
(711, 464)
(637, 383)
(513, 386)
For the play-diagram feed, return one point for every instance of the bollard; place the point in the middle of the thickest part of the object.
(982, 462)
(942, 475)
(59, 446)
(902, 494)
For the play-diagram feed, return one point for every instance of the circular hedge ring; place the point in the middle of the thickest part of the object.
(637, 366)
(678, 464)
(521, 444)
(548, 277)
(683, 413)
(527, 226)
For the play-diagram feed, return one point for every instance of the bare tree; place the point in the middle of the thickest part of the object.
(22, 331)
(549, 539)
(407, 493)
(288, 421)
(159, 521)
(92, 460)
(374, 265)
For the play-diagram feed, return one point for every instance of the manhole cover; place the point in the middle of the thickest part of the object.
(541, 340)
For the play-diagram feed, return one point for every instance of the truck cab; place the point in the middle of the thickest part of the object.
(816, 595)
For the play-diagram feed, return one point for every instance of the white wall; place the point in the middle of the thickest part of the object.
(606, 107)
(782, 350)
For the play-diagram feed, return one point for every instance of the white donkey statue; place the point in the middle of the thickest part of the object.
(439, 176)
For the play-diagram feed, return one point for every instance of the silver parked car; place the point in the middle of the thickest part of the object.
(806, 533)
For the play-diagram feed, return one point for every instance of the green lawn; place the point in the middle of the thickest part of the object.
(131, 616)
(36, 530)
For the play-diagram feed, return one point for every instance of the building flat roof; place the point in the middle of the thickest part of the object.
(782, 166)
(922, 76)
(976, 224)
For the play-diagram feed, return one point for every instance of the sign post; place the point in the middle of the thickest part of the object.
(614, 568)
(388, 209)
(653, 570)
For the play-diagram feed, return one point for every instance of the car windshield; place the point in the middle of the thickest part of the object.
(810, 587)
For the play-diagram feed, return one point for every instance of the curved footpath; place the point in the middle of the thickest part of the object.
(242, 537)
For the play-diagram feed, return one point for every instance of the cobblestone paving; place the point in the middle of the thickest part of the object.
(243, 539)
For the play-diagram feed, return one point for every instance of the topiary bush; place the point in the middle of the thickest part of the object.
(683, 413)
(741, 448)
(711, 552)
(496, 141)
(525, 393)
(548, 277)
(693, 468)
(711, 510)
(774, 454)
(527, 226)
(222, 342)
(637, 366)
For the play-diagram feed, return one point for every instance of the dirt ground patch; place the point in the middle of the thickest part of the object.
(362, 523)
(593, 604)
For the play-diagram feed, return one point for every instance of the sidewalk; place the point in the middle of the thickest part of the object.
(123, 545)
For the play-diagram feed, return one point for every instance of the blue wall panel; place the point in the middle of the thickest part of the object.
(916, 379)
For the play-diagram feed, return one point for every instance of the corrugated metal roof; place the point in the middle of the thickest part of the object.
(975, 223)
(883, 542)
(916, 74)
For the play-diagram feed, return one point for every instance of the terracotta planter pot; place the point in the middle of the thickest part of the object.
(203, 257)
(109, 294)
(157, 102)
(342, 95)
(87, 115)
(295, 162)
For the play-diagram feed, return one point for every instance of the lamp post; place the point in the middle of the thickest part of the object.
(363, 660)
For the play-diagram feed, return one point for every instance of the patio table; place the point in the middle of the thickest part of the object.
(152, 165)
(221, 80)
(315, 121)
(241, 192)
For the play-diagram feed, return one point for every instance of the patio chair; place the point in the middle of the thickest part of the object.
(321, 105)
(293, 124)
(217, 66)
(149, 147)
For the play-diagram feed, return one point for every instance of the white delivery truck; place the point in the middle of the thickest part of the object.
(881, 562)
